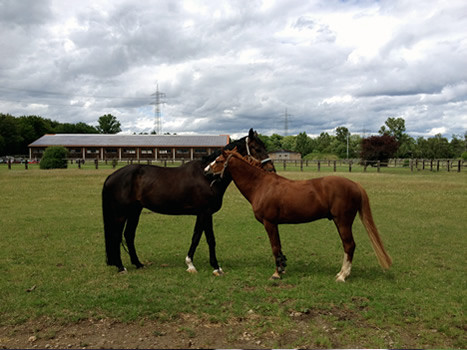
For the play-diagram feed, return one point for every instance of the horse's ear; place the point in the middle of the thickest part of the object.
(251, 133)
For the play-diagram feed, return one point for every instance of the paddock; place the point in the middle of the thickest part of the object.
(54, 276)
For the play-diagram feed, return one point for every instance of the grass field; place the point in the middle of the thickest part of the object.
(52, 265)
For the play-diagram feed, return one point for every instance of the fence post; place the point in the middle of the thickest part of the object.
(379, 166)
(165, 163)
(350, 166)
(285, 166)
(423, 164)
(431, 165)
(449, 168)
(96, 162)
(319, 165)
(459, 164)
(26, 164)
(114, 163)
(411, 165)
(364, 166)
(301, 164)
(335, 166)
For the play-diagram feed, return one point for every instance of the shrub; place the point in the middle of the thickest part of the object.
(54, 158)
(464, 156)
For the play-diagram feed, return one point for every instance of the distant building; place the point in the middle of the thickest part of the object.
(284, 155)
(123, 147)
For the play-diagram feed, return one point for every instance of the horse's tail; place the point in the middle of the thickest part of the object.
(367, 219)
(113, 236)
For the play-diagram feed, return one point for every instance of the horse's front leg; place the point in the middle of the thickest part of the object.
(208, 230)
(274, 239)
(194, 244)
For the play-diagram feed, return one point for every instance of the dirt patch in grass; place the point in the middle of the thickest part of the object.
(300, 329)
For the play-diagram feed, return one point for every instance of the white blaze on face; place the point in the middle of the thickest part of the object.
(209, 166)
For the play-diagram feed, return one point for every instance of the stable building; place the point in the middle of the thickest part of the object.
(130, 147)
(285, 155)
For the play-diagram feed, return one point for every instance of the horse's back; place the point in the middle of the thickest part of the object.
(167, 190)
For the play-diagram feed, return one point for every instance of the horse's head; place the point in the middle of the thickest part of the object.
(218, 166)
(252, 147)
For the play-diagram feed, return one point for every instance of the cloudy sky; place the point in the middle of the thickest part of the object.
(226, 66)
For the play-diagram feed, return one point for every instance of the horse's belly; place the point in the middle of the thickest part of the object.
(300, 214)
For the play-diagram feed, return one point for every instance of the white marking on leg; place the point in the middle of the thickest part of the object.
(345, 270)
(191, 267)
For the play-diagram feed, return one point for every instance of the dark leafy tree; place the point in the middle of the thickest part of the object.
(10, 135)
(380, 148)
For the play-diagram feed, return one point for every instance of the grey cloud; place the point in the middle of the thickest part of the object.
(235, 65)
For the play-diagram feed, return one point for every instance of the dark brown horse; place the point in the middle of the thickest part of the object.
(277, 200)
(185, 190)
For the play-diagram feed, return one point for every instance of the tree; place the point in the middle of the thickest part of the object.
(288, 143)
(108, 124)
(10, 136)
(341, 134)
(323, 143)
(395, 127)
(303, 144)
(379, 148)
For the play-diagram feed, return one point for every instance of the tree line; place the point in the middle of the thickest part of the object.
(16, 133)
(391, 142)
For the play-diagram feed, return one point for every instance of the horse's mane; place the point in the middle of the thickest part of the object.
(249, 160)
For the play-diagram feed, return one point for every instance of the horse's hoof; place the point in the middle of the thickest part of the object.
(340, 278)
(192, 270)
(275, 276)
(218, 272)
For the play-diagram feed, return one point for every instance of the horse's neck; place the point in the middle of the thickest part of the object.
(246, 177)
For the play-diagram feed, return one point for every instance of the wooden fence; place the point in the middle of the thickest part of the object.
(449, 165)
(412, 164)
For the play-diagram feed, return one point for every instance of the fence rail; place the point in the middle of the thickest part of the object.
(435, 165)
(350, 164)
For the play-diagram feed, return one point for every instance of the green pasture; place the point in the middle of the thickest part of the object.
(52, 263)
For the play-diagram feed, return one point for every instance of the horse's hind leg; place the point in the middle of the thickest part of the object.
(130, 233)
(113, 239)
(344, 227)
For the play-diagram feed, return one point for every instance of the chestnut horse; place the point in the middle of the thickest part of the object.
(185, 190)
(277, 200)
